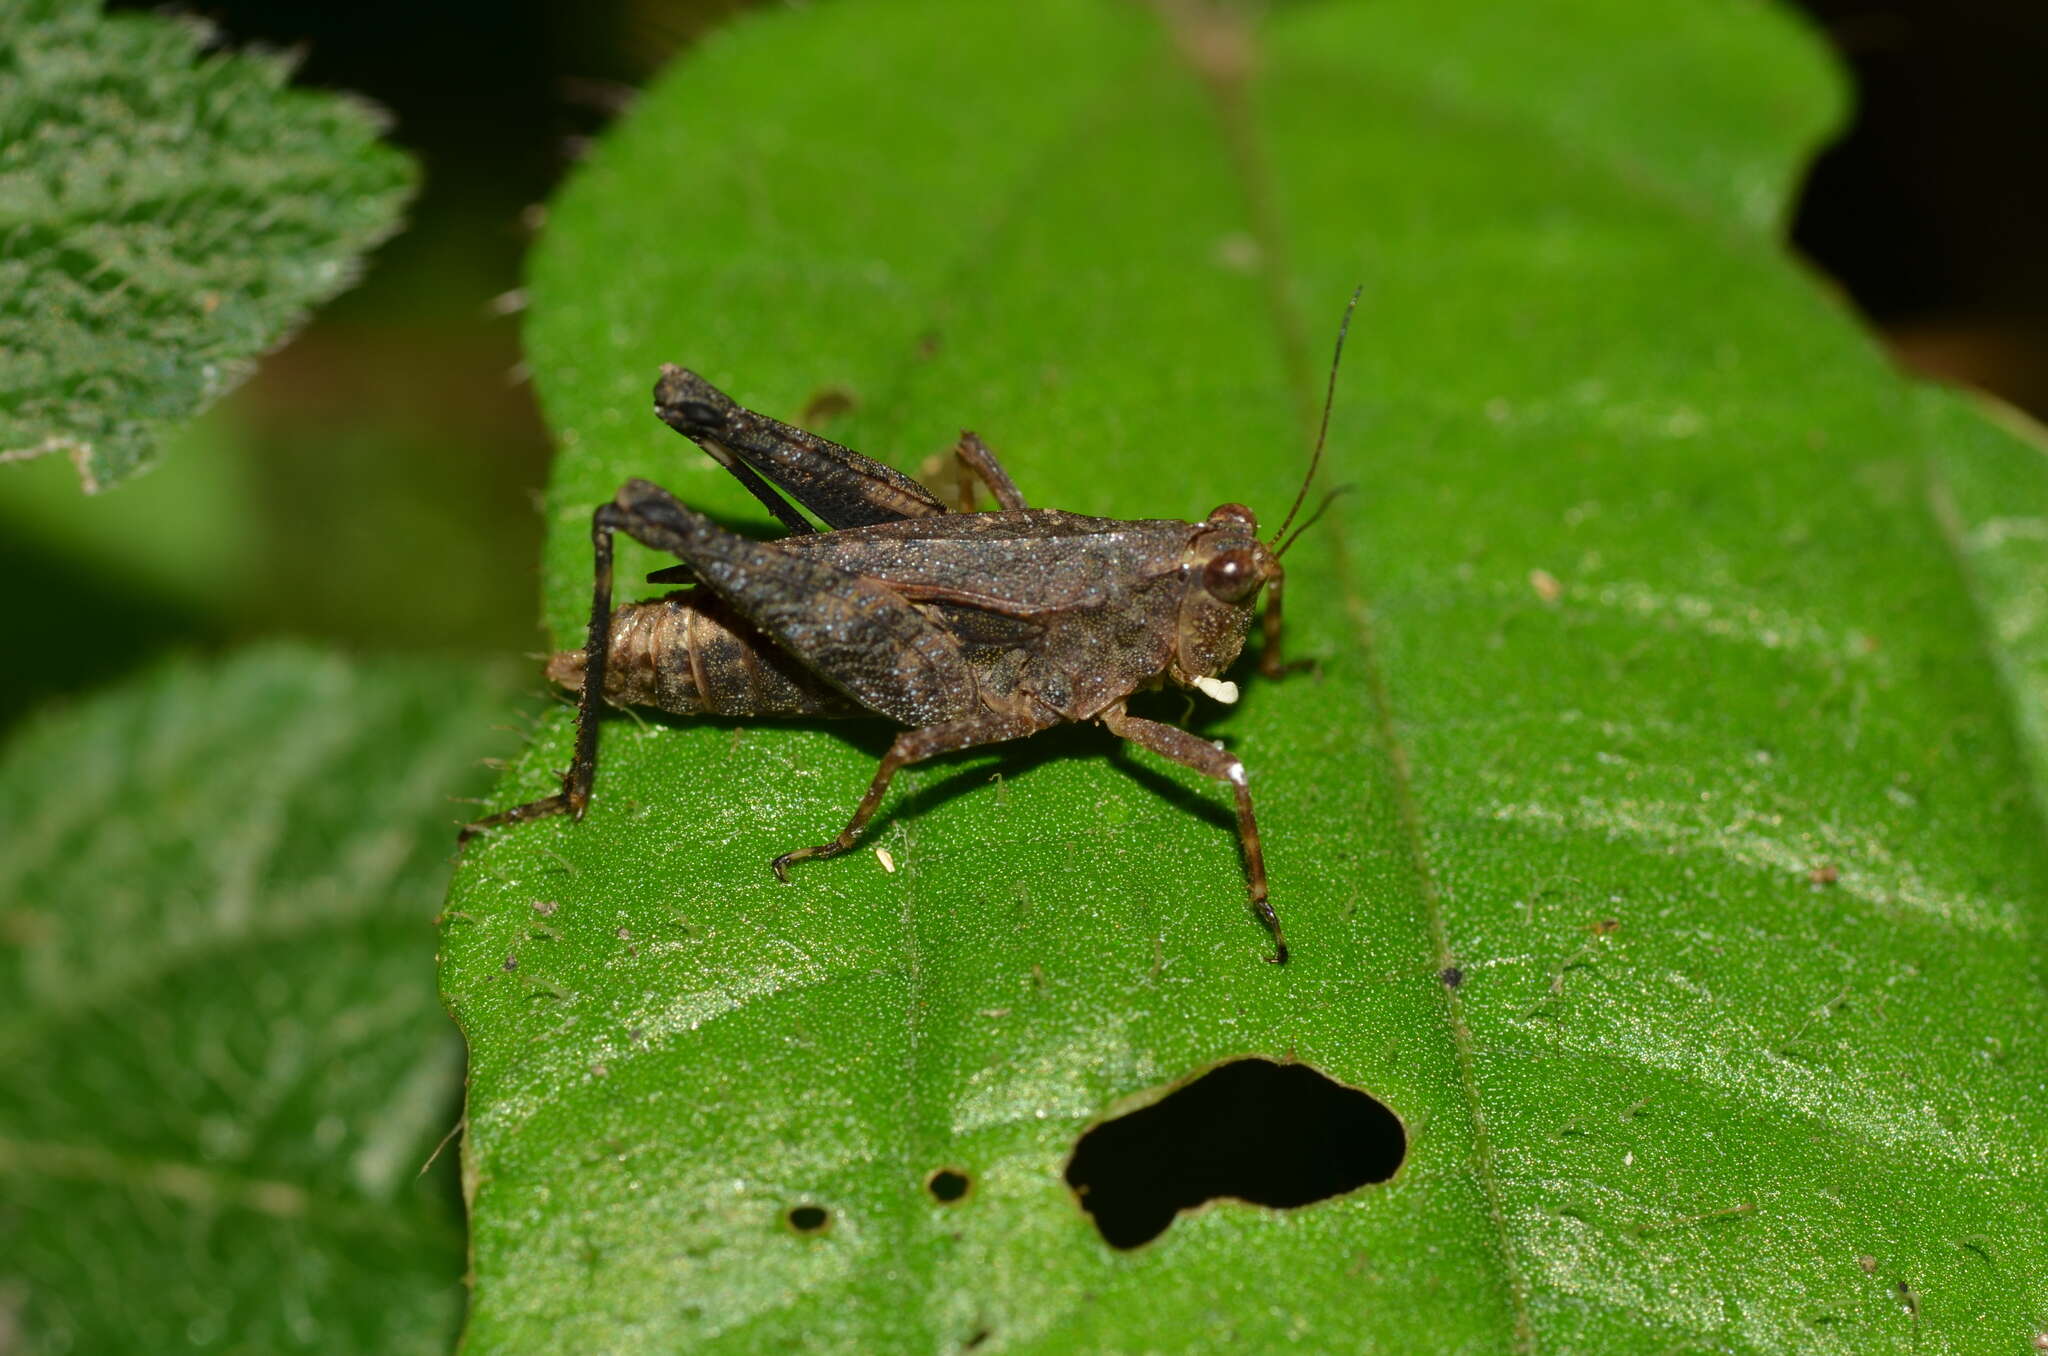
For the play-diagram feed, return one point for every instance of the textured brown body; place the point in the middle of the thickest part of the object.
(1056, 616)
(967, 628)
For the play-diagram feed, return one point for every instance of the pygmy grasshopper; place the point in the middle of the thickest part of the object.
(969, 628)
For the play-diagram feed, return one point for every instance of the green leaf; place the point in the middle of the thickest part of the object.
(1658, 695)
(167, 212)
(222, 1062)
(1989, 493)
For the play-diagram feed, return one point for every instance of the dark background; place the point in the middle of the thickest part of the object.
(381, 469)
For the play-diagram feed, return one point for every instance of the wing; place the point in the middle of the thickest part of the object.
(837, 483)
(1018, 563)
(854, 632)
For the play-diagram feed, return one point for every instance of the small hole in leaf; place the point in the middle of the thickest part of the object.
(809, 1219)
(948, 1185)
(1280, 1135)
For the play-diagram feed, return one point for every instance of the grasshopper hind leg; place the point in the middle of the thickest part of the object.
(518, 814)
(574, 797)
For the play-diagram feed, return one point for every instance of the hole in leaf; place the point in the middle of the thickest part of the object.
(1281, 1135)
(948, 1185)
(809, 1219)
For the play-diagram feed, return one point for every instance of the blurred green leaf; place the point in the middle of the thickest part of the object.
(167, 212)
(222, 1061)
(1674, 689)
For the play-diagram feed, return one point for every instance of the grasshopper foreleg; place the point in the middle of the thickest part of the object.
(913, 746)
(1192, 751)
(1271, 665)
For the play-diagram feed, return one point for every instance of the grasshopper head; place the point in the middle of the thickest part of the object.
(1225, 566)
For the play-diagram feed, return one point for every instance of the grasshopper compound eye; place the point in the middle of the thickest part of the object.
(1231, 576)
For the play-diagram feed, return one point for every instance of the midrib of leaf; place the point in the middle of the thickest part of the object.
(292, 762)
(1239, 133)
(209, 1186)
(289, 924)
(1399, 776)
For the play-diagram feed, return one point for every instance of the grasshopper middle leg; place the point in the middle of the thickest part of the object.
(976, 462)
(1193, 751)
(913, 746)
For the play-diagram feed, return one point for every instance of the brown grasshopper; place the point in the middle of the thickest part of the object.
(969, 628)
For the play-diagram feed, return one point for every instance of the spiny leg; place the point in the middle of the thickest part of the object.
(913, 746)
(1193, 751)
(976, 462)
(574, 797)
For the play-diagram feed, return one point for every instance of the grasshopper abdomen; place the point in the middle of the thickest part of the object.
(689, 654)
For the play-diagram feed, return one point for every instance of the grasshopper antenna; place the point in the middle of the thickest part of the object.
(1329, 397)
(1311, 520)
